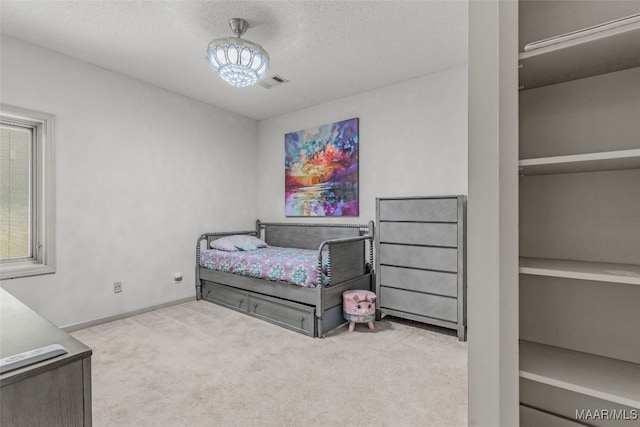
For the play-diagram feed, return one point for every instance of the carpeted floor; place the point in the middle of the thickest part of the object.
(199, 364)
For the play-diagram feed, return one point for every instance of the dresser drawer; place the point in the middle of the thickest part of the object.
(443, 259)
(224, 295)
(443, 210)
(433, 282)
(419, 233)
(284, 313)
(438, 307)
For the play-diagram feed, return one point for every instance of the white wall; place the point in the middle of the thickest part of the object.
(413, 142)
(141, 172)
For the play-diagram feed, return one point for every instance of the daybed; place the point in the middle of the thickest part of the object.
(343, 260)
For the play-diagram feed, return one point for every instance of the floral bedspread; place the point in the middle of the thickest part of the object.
(296, 266)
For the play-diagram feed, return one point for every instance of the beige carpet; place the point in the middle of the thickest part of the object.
(199, 364)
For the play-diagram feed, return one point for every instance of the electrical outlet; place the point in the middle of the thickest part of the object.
(177, 278)
(117, 287)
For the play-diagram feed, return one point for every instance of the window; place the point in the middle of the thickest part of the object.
(27, 196)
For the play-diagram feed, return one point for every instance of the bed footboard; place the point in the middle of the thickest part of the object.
(346, 258)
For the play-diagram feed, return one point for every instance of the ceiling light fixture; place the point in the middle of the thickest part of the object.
(239, 62)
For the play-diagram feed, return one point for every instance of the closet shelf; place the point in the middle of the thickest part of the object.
(613, 46)
(589, 162)
(585, 270)
(530, 417)
(612, 380)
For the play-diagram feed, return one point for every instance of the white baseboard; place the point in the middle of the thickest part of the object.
(95, 322)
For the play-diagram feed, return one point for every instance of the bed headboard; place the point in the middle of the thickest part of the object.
(309, 236)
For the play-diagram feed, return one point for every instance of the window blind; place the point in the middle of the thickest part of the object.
(15, 192)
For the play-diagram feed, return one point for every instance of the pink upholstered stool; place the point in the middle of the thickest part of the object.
(359, 306)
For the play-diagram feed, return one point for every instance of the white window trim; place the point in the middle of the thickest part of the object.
(43, 260)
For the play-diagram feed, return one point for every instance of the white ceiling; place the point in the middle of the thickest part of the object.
(327, 49)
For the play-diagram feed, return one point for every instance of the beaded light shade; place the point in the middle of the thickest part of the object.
(239, 62)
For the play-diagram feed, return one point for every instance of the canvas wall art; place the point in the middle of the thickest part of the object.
(321, 170)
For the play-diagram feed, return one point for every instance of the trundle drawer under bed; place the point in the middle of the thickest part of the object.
(290, 315)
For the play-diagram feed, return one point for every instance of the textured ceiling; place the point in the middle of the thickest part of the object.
(327, 49)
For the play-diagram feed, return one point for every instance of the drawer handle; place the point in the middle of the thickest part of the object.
(301, 322)
(241, 301)
(255, 306)
(208, 292)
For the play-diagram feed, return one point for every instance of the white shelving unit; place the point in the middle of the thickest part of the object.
(533, 418)
(589, 162)
(581, 54)
(583, 270)
(600, 377)
(579, 214)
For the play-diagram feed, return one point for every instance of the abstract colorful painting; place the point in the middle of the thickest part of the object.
(321, 170)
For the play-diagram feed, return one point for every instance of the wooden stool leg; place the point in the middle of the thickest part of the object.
(352, 326)
(370, 325)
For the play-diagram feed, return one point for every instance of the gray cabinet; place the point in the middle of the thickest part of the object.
(420, 260)
(53, 392)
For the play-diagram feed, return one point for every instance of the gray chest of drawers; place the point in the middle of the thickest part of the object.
(53, 392)
(421, 260)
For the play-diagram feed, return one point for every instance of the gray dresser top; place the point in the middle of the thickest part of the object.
(22, 329)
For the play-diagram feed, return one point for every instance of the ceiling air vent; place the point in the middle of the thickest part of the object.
(273, 81)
